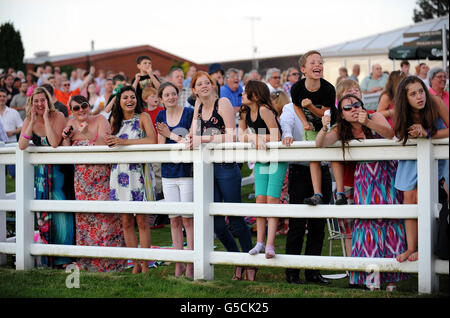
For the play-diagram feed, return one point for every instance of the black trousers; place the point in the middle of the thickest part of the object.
(300, 187)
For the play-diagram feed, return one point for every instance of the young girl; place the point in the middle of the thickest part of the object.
(173, 125)
(418, 115)
(130, 126)
(214, 121)
(258, 124)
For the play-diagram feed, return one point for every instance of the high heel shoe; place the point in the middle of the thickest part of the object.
(238, 270)
(250, 273)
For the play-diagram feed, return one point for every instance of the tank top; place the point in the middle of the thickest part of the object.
(259, 125)
(215, 125)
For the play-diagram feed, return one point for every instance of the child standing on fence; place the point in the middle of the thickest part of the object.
(131, 126)
(417, 115)
(313, 96)
(258, 124)
(173, 124)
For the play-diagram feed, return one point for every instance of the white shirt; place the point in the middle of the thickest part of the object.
(11, 120)
(290, 124)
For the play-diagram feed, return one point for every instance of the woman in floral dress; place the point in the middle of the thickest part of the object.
(130, 126)
(92, 183)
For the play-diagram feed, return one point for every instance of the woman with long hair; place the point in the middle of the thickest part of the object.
(91, 183)
(131, 126)
(43, 126)
(173, 124)
(373, 184)
(258, 124)
(417, 115)
(214, 121)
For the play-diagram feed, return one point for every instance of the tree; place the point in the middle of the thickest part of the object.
(430, 9)
(11, 52)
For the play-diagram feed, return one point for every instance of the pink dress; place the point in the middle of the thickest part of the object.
(96, 229)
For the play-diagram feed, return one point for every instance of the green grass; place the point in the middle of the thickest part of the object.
(160, 282)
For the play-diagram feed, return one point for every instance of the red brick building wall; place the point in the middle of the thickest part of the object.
(125, 60)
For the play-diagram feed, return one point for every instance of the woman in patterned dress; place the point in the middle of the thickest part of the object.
(92, 183)
(43, 125)
(131, 126)
(374, 184)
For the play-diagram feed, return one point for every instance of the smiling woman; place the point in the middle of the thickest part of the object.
(130, 126)
(91, 182)
(43, 125)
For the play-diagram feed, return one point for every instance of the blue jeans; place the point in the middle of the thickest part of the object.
(227, 188)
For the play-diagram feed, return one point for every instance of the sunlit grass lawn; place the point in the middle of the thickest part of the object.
(160, 281)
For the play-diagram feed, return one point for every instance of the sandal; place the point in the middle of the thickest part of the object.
(391, 287)
(238, 270)
(250, 273)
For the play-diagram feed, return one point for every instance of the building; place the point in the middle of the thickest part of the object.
(121, 59)
(364, 51)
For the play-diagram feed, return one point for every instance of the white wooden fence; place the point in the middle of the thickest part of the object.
(203, 208)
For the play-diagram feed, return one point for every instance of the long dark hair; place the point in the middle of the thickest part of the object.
(117, 113)
(345, 128)
(259, 93)
(404, 114)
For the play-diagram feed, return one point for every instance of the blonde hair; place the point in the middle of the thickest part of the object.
(279, 99)
(344, 85)
(302, 59)
(39, 90)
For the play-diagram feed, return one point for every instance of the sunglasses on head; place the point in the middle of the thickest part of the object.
(78, 107)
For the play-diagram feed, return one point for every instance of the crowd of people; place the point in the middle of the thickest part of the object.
(49, 108)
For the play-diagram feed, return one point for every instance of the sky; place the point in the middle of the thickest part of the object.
(202, 31)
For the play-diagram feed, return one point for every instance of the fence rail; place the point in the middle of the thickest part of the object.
(426, 152)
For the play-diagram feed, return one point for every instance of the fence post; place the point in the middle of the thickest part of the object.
(203, 222)
(24, 219)
(3, 231)
(427, 198)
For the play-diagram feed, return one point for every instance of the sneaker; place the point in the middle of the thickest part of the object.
(314, 200)
(341, 199)
(259, 247)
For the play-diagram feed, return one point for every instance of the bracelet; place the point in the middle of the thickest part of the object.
(26, 137)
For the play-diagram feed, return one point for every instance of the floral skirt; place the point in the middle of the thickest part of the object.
(97, 229)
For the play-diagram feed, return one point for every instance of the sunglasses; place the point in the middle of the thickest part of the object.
(77, 107)
(66, 84)
(355, 105)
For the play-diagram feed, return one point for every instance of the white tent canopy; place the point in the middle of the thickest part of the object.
(381, 43)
